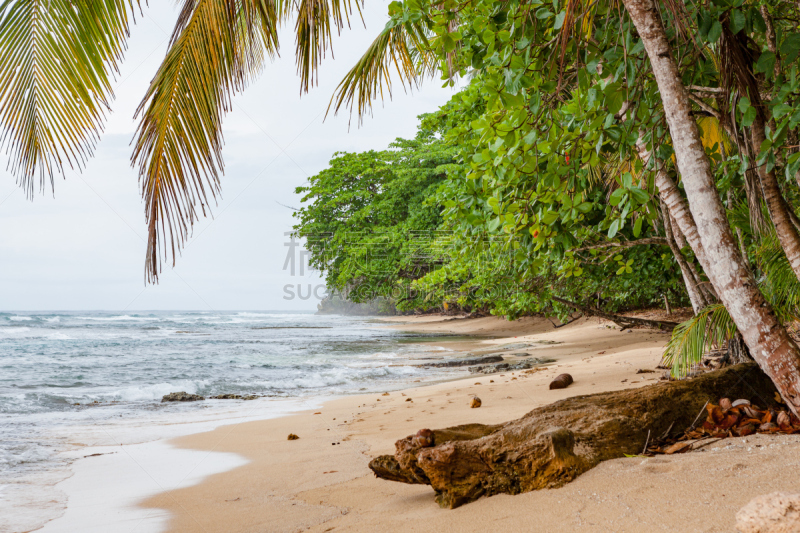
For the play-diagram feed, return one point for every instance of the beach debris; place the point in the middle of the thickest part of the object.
(739, 420)
(507, 367)
(292, 436)
(318, 413)
(424, 438)
(385, 394)
(477, 383)
(540, 450)
(181, 396)
(778, 512)
(562, 381)
(475, 402)
(330, 472)
(409, 400)
(534, 370)
(645, 371)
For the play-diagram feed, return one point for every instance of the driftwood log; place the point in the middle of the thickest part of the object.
(552, 445)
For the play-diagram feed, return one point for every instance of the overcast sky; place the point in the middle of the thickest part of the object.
(83, 248)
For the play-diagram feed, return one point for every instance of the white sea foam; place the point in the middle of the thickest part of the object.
(119, 318)
(153, 392)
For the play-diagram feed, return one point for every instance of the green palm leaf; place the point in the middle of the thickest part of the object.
(780, 284)
(711, 326)
(217, 46)
(404, 46)
(315, 21)
(55, 61)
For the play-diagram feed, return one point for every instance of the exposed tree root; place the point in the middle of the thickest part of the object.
(552, 445)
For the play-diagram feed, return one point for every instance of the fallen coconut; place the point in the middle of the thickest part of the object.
(424, 438)
(562, 381)
(475, 402)
(292, 436)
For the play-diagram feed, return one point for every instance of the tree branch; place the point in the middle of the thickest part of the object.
(704, 106)
(624, 322)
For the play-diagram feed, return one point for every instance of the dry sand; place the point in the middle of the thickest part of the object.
(321, 481)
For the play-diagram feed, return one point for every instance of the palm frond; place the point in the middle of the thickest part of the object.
(739, 217)
(711, 326)
(56, 59)
(315, 21)
(780, 284)
(216, 47)
(405, 46)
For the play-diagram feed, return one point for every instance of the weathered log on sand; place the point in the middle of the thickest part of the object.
(552, 445)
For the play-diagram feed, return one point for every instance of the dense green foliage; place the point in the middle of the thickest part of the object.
(410, 225)
(370, 222)
(560, 133)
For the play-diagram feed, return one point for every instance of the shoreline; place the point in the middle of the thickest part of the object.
(85, 498)
(321, 481)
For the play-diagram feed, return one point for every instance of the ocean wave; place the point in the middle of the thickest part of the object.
(15, 454)
(120, 318)
(153, 392)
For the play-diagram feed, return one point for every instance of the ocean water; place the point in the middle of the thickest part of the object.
(74, 379)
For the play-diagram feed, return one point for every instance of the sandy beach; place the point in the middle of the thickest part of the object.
(321, 481)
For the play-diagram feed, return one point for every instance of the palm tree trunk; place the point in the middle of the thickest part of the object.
(695, 295)
(676, 206)
(739, 235)
(772, 44)
(778, 209)
(683, 224)
(765, 336)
